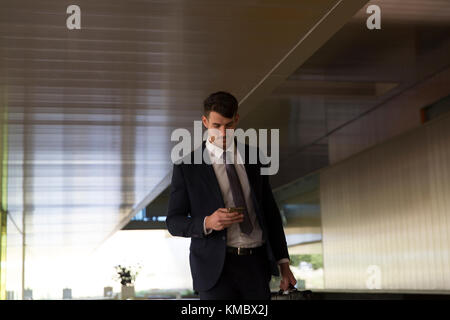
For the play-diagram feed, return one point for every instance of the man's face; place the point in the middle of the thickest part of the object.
(219, 124)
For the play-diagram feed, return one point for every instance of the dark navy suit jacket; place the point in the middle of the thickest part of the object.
(195, 194)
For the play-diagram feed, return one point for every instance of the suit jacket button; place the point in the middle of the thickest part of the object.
(223, 238)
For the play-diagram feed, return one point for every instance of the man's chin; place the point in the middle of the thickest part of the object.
(222, 144)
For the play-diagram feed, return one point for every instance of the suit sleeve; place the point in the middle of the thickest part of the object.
(276, 234)
(179, 220)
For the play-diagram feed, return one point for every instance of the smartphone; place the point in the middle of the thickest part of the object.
(236, 209)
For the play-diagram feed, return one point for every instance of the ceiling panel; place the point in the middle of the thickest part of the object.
(90, 111)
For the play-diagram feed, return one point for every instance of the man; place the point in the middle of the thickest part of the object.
(232, 254)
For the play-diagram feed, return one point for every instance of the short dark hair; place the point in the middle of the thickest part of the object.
(221, 102)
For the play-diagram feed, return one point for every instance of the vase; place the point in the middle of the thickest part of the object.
(127, 292)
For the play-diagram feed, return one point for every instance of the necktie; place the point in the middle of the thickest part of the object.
(238, 194)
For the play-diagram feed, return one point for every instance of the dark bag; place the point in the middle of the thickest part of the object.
(292, 294)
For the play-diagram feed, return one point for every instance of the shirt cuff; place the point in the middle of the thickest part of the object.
(283, 260)
(206, 231)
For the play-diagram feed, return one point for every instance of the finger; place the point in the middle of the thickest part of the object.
(230, 214)
(283, 286)
(227, 224)
(235, 219)
(221, 212)
(224, 215)
(232, 220)
(233, 216)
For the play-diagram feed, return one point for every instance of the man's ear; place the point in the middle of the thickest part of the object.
(236, 119)
(205, 121)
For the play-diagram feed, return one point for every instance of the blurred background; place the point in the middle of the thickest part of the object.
(86, 116)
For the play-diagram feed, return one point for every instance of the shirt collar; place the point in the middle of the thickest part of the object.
(216, 151)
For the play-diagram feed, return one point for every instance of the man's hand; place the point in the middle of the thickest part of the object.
(222, 219)
(286, 277)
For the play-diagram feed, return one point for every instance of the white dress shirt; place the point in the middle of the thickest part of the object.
(235, 238)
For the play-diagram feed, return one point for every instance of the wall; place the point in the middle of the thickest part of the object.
(389, 207)
(397, 115)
